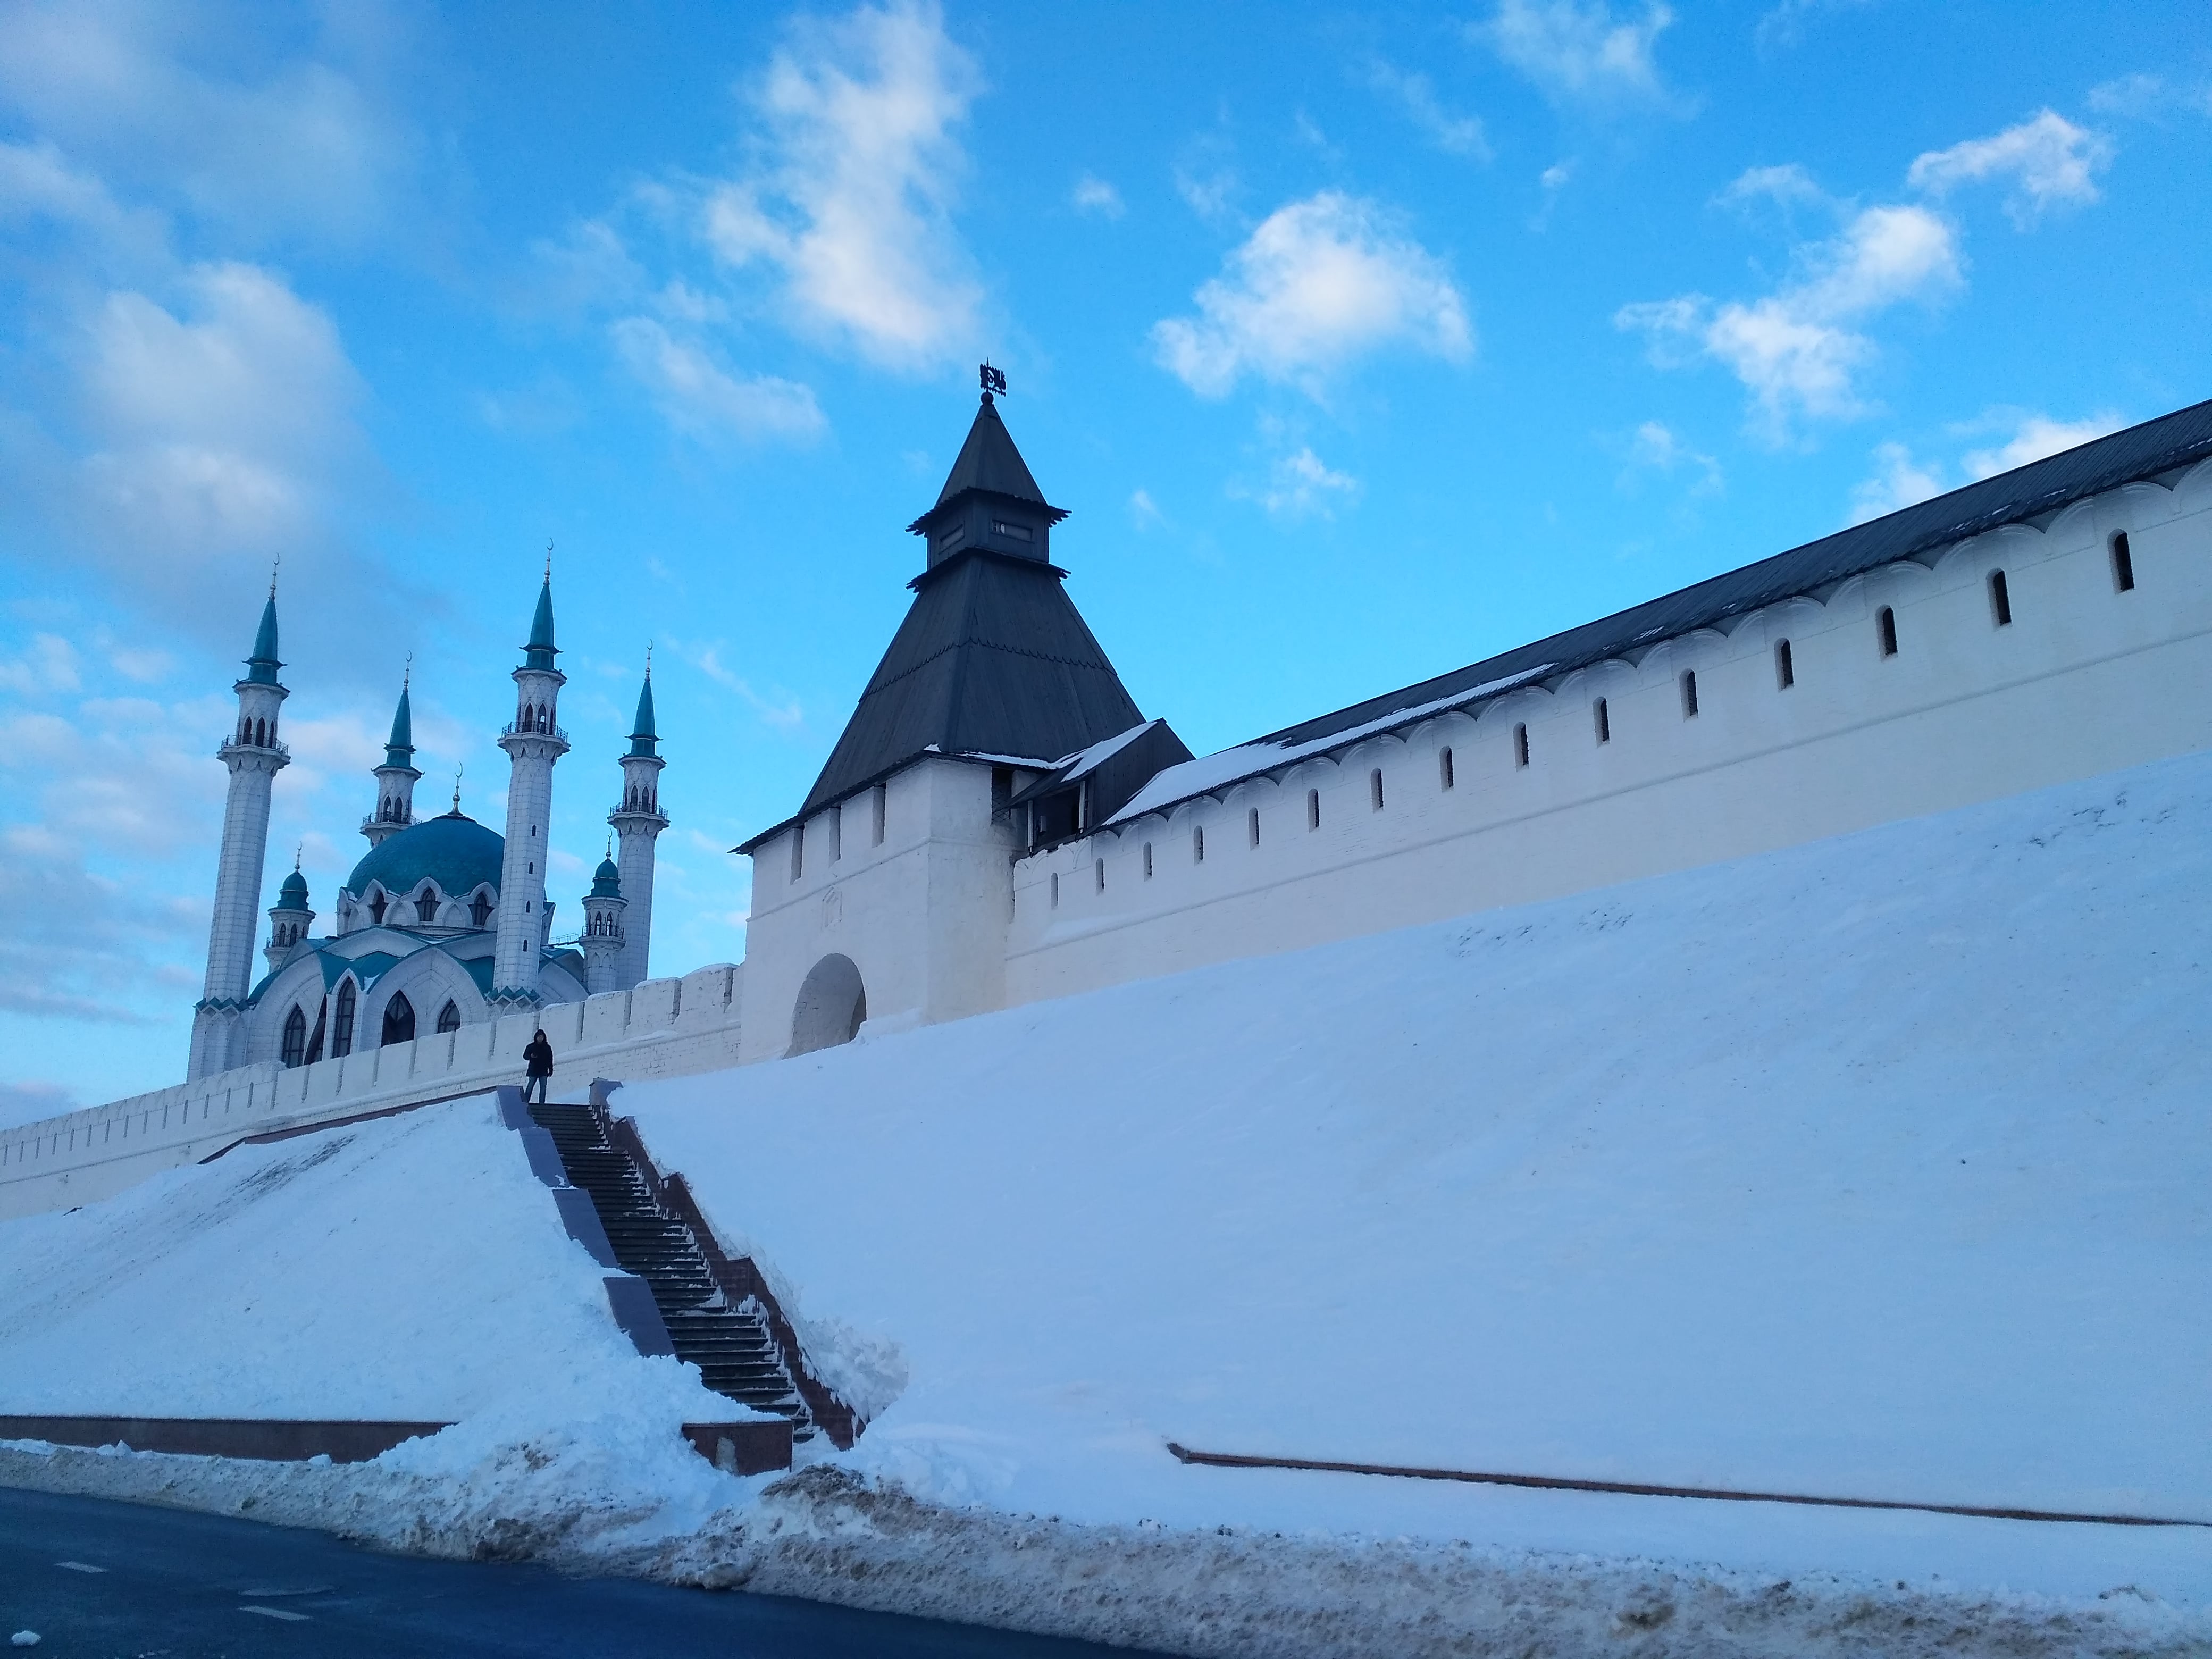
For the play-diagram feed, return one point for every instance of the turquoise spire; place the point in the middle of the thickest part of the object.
(643, 739)
(261, 667)
(400, 747)
(540, 652)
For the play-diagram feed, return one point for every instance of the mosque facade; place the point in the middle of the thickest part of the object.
(444, 923)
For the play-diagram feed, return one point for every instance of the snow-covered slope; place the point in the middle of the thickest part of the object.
(1881, 1167)
(409, 1267)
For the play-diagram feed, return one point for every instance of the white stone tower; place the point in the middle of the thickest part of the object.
(254, 756)
(396, 778)
(638, 821)
(289, 918)
(602, 930)
(533, 743)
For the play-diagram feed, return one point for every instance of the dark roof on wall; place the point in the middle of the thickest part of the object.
(993, 659)
(2026, 492)
(988, 462)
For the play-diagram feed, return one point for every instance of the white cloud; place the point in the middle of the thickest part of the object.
(1576, 51)
(47, 668)
(701, 399)
(302, 147)
(781, 710)
(1300, 486)
(1656, 447)
(2049, 162)
(1094, 195)
(2138, 94)
(1319, 282)
(1784, 26)
(851, 202)
(2034, 436)
(1144, 511)
(1783, 185)
(1799, 350)
(1454, 134)
(1897, 481)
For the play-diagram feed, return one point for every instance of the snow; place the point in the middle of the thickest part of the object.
(1875, 1167)
(1207, 773)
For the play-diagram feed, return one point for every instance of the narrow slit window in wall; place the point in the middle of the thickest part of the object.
(1252, 825)
(1445, 768)
(1884, 622)
(798, 850)
(882, 794)
(836, 833)
(1313, 808)
(1100, 869)
(1785, 671)
(1602, 719)
(1056, 891)
(2124, 563)
(1521, 745)
(1148, 861)
(1198, 844)
(2000, 599)
(1690, 694)
(1375, 788)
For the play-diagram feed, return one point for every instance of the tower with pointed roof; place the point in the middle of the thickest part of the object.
(888, 894)
(289, 918)
(396, 777)
(533, 743)
(638, 821)
(602, 942)
(254, 756)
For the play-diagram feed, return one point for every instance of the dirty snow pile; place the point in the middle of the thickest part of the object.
(1877, 1168)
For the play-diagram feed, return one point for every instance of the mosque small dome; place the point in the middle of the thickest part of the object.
(453, 850)
(606, 880)
(294, 887)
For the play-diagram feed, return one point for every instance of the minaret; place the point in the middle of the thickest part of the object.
(637, 821)
(254, 756)
(289, 918)
(395, 778)
(602, 930)
(533, 743)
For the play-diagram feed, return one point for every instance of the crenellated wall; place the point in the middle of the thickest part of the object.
(661, 1027)
(2084, 678)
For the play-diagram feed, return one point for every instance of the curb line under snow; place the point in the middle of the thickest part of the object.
(824, 1535)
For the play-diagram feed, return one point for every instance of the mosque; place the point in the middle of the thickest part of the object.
(444, 922)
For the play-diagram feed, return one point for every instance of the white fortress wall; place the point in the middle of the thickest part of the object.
(2085, 680)
(661, 1027)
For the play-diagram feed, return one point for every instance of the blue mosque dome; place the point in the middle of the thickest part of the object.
(454, 851)
(606, 880)
(295, 889)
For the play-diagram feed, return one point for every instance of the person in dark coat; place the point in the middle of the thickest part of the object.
(538, 1066)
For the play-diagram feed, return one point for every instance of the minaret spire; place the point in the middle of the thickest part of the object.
(533, 743)
(639, 820)
(254, 756)
(396, 777)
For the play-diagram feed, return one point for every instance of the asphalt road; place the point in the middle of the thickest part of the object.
(101, 1580)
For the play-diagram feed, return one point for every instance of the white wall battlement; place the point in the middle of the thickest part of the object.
(662, 1028)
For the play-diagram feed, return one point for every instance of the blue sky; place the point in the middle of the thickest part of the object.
(1361, 343)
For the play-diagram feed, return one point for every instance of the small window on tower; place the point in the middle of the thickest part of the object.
(1602, 719)
(882, 794)
(1444, 769)
(479, 910)
(1313, 808)
(1252, 825)
(1056, 889)
(449, 1019)
(1198, 844)
(797, 851)
(1521, 745)
(1690, 694)
(376, 906)
(836, 833)
(426, 907)
(1884, 622)
(1019, 533)
(2124, 564)
(1785, 670)
(1148, 861)
(1100, 867)
(1375, 789)
(2000, 599)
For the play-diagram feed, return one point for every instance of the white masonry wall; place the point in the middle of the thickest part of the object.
(662, 1028)
(2086, 679)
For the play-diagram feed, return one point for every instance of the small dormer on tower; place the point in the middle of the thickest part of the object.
(989, 503)
(603, 928)
(396, 777)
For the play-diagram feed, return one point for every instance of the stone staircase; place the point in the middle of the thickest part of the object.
(731, 1343)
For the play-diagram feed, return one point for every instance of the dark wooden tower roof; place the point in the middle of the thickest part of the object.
(993, 659)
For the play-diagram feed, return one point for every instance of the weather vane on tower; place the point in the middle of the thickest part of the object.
(994, 379)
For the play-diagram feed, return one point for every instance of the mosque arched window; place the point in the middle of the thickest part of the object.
(449, 1019)
(480, 909)
(376, 906)
(399, 1019)
(315, 1042)
(296, 1036)
(426, 906)
(342, 1028)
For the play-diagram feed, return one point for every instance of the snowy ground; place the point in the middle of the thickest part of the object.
(1877, 1168)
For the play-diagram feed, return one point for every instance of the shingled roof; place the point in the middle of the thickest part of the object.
(993, 659)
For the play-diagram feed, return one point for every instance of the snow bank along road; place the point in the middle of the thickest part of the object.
(1876, 1167)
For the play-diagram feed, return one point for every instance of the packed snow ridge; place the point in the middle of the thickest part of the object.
(1872, 1169)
